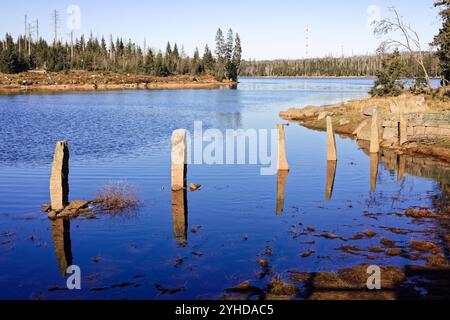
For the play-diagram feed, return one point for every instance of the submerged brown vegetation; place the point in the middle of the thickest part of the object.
(117, 197)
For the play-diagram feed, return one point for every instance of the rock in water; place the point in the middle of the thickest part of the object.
(195, 187)
(59, 181)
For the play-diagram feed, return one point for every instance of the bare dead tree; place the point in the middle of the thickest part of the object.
(409, 40)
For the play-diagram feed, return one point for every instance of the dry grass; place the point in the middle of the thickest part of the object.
(117, 197)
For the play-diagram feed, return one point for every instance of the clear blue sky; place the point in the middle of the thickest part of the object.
(269, 29)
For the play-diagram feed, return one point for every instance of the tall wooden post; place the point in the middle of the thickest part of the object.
(282, 160)
(179, 160)
(59, 180)
(331, 141)
(374, 135)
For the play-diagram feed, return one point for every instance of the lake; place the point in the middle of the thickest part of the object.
(234, 220)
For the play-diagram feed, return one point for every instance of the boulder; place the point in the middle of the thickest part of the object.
(363, 131)
(194, 187)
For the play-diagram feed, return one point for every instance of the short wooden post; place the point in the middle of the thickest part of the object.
(59, 180)
(282, 160)
(179, 160)
(331, 141)
(374, 135)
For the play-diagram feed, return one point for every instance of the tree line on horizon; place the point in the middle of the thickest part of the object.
(356, 66)
(119, 56)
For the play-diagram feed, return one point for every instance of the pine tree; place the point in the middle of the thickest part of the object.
(220, 70)
(388, 78)
(229, 54)
(208, 60)
(237, 57)
(442, 40)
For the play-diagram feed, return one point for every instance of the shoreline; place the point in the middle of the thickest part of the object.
(350, 119)
(44, 83)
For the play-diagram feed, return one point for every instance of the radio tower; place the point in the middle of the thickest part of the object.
(307, 42)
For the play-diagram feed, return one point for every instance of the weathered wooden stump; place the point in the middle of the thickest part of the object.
(331, 141)
(374, 134)
(59, 180)
(282, 160)
(179, 160)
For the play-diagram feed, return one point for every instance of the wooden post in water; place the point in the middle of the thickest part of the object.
(374, 135)
(282, 160)
(179, 160)
(403, 128)
(59, 180)
(331, 141)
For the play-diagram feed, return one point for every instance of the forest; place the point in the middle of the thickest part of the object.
(356, 66)
(120, 56)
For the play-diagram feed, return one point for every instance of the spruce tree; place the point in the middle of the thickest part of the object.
(388, 78)
(442, 40)
(237, 57)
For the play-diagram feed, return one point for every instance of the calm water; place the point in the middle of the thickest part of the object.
(125, 135)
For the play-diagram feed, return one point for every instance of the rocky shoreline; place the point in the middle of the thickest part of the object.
(44, 82)
(426, 119)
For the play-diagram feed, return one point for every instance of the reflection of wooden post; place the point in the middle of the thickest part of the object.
(331, 174)
(62, 244)
(282, 161)
(374, 135)
(403, 128)
(373, 171)
(179, 159)
(401, 167)
(59, 180)
(331, 141)
(179, 215)
(281, 187)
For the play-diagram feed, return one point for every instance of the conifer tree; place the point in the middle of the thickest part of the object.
(442, 40)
